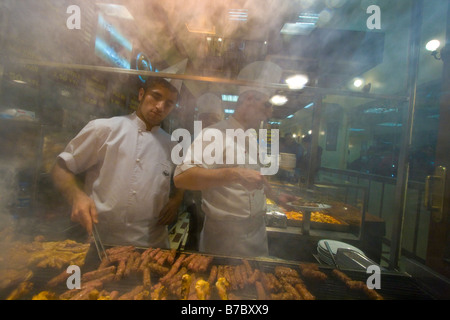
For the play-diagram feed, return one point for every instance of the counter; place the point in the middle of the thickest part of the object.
(293, 242)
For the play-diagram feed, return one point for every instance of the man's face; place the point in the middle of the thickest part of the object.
(155, 105)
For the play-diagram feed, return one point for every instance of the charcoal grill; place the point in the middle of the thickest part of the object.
(394, 286)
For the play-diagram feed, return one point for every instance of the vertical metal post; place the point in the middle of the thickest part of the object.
(403, 168)
(312, 165)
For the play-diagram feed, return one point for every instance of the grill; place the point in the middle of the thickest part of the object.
(394, 286)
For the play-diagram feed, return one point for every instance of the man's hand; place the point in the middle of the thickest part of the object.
(281, 198)
(250, 179)
(284, 198)
(84, 211)
(169, 213)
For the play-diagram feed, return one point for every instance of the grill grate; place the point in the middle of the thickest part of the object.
(394, 286)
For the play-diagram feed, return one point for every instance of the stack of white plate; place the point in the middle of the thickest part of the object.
(287, 161)
(324, 254)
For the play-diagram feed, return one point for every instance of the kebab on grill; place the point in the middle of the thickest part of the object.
(311, 272)
(356, 285)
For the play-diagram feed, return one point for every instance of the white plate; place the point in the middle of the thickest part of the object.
(326, 260)
(316, 207)
(334, 245)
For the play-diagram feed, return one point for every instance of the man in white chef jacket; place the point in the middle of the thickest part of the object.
(233, 195)
(128, 172)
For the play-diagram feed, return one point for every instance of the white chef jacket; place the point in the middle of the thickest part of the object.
(234, 216)
(128, 173)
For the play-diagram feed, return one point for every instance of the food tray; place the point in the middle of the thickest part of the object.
(343, 226)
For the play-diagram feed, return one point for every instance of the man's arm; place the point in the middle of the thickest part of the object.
(83, 207)
(169, 212)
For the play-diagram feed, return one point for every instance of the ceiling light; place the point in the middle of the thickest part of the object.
(238, 14)
(290, 116)
(115, 10)
(308, 105)
(278, 100)
(297, 28)
(229, 98)
(65, 93)
(297, 82)
(305, 23)
(380, 110)
(389, 124)
(230, 111)
(356, 130)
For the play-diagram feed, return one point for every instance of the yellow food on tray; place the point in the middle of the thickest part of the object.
(294, 215)
(57, 254)
(315, 217)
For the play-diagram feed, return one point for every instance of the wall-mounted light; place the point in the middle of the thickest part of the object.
(19, 81)
(433, 46)
(358, 82)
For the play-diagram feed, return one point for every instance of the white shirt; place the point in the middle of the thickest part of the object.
(128, 173)
(232, 210)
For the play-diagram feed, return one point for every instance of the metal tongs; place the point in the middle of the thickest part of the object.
(98, 243)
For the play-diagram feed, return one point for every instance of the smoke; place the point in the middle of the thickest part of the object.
(8, 195)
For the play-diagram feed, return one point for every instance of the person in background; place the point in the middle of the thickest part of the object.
(210, 111)
(289, 145)
(127, 165)
(233, 195)
(304, 161)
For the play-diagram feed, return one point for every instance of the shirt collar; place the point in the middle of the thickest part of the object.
(141, 124)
